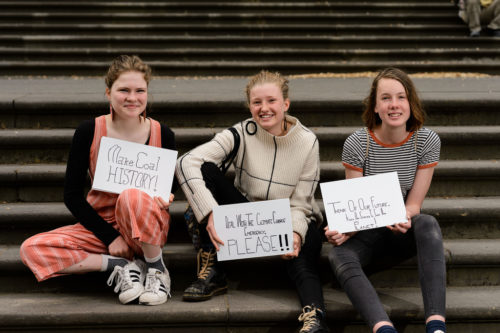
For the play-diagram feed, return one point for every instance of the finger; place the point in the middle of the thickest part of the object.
(171, 198)
(402, 228)
(158, 202)
(214, 242)
(214, 236)
(163, 203)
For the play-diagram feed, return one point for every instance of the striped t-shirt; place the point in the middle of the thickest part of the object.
(404, 157)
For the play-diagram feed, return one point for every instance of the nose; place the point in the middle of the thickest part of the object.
(131, 96)
(264, 106)
(394, 102)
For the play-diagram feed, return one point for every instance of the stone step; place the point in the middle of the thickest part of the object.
(470, 262)
(239, 311)
(305, 42)
(212, 15)
(476, 217)
(44, 182)
(227, 68)
(27, 146)
(210, 102)
(248, 54)
(224, 6)
(236, 29)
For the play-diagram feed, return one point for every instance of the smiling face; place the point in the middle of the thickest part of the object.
(392, 104)
(268, 107)
(128, 95)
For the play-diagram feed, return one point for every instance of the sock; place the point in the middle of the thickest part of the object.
(109, 262)
(435, 326)
(156, 262)
(386, 329)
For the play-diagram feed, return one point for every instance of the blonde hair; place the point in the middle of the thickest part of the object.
(267, 77)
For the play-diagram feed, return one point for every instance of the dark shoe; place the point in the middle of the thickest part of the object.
(314, 320)
(211, 279)
(496, 33)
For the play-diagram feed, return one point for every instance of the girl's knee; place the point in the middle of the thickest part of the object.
(426, 226)
(27, 249)
(344, 266)
(209, 168)
(131, 199)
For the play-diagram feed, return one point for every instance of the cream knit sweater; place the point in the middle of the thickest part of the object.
(267, 167)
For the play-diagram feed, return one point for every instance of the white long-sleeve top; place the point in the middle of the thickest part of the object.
(267, 167)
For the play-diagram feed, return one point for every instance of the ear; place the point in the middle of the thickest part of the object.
(108, 94)
(286, 102)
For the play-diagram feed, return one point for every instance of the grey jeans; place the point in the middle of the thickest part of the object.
(477, 16)
(424, 239)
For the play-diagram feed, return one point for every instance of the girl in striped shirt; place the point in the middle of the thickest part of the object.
(393, 140)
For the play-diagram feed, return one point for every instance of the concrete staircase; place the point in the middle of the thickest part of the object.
(38, 120)
(59, 39)
(239, 37)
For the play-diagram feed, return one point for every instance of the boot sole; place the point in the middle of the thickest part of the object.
(199, 298)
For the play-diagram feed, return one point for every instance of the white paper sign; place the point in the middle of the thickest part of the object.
(254, 229)
(363, 203)
(122, 165)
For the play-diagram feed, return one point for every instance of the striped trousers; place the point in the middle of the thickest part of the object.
(137, 218)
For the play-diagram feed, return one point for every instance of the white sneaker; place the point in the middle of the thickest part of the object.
(129, 281)
(157, 288)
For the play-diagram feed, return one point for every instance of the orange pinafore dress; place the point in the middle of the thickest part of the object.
(133, 213)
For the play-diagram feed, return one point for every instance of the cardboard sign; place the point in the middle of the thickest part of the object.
(254, 229)
(363, 203)
(122, 165)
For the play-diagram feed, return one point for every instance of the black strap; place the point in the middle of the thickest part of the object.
(230, 157)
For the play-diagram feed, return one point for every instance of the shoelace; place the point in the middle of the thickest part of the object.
(206, 258)
(154, 283)
(309, 318)
(122, 277)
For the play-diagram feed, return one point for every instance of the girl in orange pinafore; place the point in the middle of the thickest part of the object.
(113, 230)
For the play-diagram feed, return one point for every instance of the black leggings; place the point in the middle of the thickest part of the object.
(423, 239)
(303, 270)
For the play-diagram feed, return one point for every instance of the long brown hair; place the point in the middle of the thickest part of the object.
(417, 113)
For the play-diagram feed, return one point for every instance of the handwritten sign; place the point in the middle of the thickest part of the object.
(254, 229)
(122, 165)
(363, 203)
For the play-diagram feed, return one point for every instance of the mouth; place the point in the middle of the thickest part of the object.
(266, 116)
(395, 114)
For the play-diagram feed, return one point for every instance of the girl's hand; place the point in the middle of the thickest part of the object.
(162, 203)
(211, 232)
(336, 238)
(297, 244)
(119, 248)
(400, 228)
